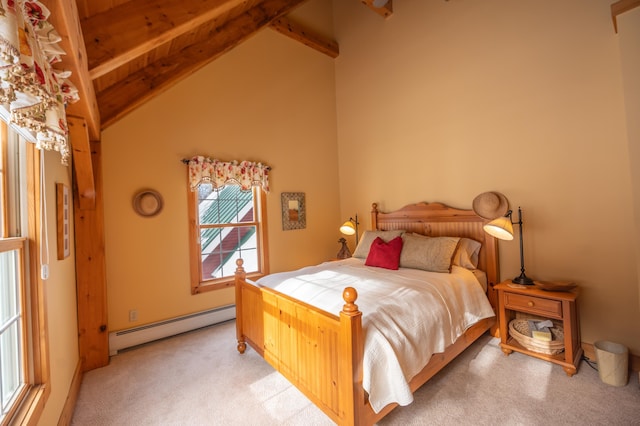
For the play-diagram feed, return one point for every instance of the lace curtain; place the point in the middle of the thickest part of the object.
(219, 173)
(33, 94)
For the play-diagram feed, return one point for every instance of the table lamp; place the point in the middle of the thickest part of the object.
(502, 228)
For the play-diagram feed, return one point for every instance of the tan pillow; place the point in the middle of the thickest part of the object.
(428, 253)
(362, 251)
(466, 254)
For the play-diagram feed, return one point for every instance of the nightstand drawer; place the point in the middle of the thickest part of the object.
(533, 305)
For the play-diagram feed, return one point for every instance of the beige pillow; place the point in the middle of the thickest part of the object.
(428, 253)
(362, 251)
(466, 254)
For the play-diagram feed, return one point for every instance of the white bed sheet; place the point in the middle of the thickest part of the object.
(406, 319)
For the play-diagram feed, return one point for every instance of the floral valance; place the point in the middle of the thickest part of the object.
(33, 94)
(220, 173)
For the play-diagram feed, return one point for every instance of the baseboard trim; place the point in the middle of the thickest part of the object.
(590, 352)
(72, 397)
(123, 339)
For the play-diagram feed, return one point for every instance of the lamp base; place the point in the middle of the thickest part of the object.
(523, 280)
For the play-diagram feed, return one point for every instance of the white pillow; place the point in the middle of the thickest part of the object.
(362, 251)
(466, 254)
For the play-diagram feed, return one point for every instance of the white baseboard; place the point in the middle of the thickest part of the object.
(123, 339)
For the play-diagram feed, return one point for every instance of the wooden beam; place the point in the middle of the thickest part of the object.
(139, 87)
(620, 7)
(289, 28)
(64, 18)
(137, 27)
(91, 280)
(384, 11)
(82, 166)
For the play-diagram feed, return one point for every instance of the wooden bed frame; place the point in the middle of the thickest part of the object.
(320, 352)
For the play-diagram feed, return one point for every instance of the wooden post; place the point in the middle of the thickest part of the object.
(82, 162)
(240, 276)
(351, 393)
(91, 281)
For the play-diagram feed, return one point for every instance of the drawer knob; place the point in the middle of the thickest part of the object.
(530, 303)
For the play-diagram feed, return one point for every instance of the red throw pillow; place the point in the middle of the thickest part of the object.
(385, 255)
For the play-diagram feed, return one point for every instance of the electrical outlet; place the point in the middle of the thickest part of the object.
(133, 315)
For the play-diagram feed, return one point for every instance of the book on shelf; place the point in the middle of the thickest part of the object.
(540, 330)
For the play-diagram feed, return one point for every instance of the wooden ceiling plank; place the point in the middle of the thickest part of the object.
(384, 11)
(137, 27)
(141, 86)
(295, 31)
(82, 162)
(620, 7)
(64, 18)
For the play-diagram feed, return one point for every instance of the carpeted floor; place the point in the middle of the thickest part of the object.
(199, 378)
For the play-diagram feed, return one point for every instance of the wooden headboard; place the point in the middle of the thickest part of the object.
(437, 219)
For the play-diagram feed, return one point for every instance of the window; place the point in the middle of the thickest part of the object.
(227, 223)
(23, 349)
(12, 322)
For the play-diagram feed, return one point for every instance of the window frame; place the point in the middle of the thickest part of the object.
(195, 265)
(29, 404)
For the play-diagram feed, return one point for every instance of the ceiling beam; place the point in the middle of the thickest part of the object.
(620, 7)
(141, 86)
(64, 18)
(289, 28)
(385, 11)
(136, 27)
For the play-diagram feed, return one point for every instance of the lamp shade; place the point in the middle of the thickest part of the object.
(348, 228)
(501, 228)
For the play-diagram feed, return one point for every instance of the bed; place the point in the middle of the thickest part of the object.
(323, 352)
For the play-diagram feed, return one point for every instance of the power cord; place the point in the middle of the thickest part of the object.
(590, 363)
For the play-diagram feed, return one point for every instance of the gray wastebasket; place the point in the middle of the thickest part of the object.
(613, 362)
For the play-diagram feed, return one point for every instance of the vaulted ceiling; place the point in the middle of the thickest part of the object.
(124, 52)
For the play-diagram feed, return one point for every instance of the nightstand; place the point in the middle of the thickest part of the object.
(556, 305)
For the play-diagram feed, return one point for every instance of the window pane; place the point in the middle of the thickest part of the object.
(225, 206)
(10, 361)
(220, 247)
(8, 286)
(3, 178)
(10, 353)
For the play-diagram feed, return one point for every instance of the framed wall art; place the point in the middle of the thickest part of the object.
(63, 220)
(293, 211)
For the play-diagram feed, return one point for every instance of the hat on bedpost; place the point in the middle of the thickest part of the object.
(490, 205)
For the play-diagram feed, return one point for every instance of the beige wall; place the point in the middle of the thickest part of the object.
(60, 294)
(629, 34)
(445, 100)
(271, 100)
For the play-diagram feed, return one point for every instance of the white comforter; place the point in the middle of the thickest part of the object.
(408, 315)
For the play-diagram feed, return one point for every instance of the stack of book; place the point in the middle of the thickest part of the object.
(541, 330)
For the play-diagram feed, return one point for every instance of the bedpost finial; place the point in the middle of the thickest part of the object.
(239, 268)
(350, 295)
(374, 207)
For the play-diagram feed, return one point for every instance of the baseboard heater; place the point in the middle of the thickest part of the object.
(123, 339)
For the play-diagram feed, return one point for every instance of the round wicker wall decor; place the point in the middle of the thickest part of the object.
(147, 203)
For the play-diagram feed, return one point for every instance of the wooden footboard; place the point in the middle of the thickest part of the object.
(320, 353)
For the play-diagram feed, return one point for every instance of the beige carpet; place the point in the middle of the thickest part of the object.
(198, 378)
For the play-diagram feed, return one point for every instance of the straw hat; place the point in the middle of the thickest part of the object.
(490, 205)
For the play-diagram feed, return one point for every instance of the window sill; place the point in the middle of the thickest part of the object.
(31, 409)
(221, 284)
